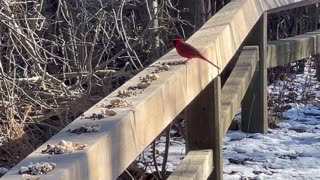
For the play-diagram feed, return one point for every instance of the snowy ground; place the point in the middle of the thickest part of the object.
(176, 154)
(291, 151)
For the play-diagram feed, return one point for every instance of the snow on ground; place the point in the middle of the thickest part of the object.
(176, 153)
(291, 151)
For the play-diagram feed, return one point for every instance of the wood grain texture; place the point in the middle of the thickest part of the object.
(237, 84)
(218, 132)
(284, 51)
(197, 165)
(272, 6)
(254, 107)
(124, 136)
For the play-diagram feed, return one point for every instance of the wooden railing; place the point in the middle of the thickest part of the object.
(194, 89)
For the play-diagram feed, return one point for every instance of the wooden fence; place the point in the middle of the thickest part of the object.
(196, 89)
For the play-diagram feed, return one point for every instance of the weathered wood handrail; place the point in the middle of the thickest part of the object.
(126, 135)
(237, 84)
(284, 51)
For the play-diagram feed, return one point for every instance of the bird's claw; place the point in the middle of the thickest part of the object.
(186, 61)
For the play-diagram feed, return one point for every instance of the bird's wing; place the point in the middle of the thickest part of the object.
(188, 50)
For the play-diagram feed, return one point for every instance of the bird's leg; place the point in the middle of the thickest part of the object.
(186, 61)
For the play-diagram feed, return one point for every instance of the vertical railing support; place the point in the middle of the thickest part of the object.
(218, 132)
(254, 116)
(203, 125)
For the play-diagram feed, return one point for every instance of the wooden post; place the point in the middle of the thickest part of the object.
(218, 132)
(254, 116)
(203, 126)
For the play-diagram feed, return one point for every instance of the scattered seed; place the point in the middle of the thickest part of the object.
(143, 85)
(110, 112)
(61, 148)
(166, 67)
(155, 77)
(95, 116)
(122, 92)
(172, 63)
(86, 128)
(37, 168)
(103, 105)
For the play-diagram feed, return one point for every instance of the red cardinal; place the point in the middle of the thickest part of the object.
(186, 50)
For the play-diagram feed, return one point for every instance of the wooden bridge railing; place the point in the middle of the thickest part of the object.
(197, 164)
(194, 88)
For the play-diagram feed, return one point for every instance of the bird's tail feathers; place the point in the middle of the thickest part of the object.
(207, 60)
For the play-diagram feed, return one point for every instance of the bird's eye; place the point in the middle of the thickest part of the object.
(171, 43)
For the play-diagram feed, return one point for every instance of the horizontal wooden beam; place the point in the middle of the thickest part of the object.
(273, 6)
(124, 136)
(237, 84)
(196, 165)
(284, 51)
(316, 36)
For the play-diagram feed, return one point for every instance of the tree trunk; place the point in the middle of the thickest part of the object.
(198, 12)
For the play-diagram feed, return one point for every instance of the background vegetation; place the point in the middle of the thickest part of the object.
(59, 57)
